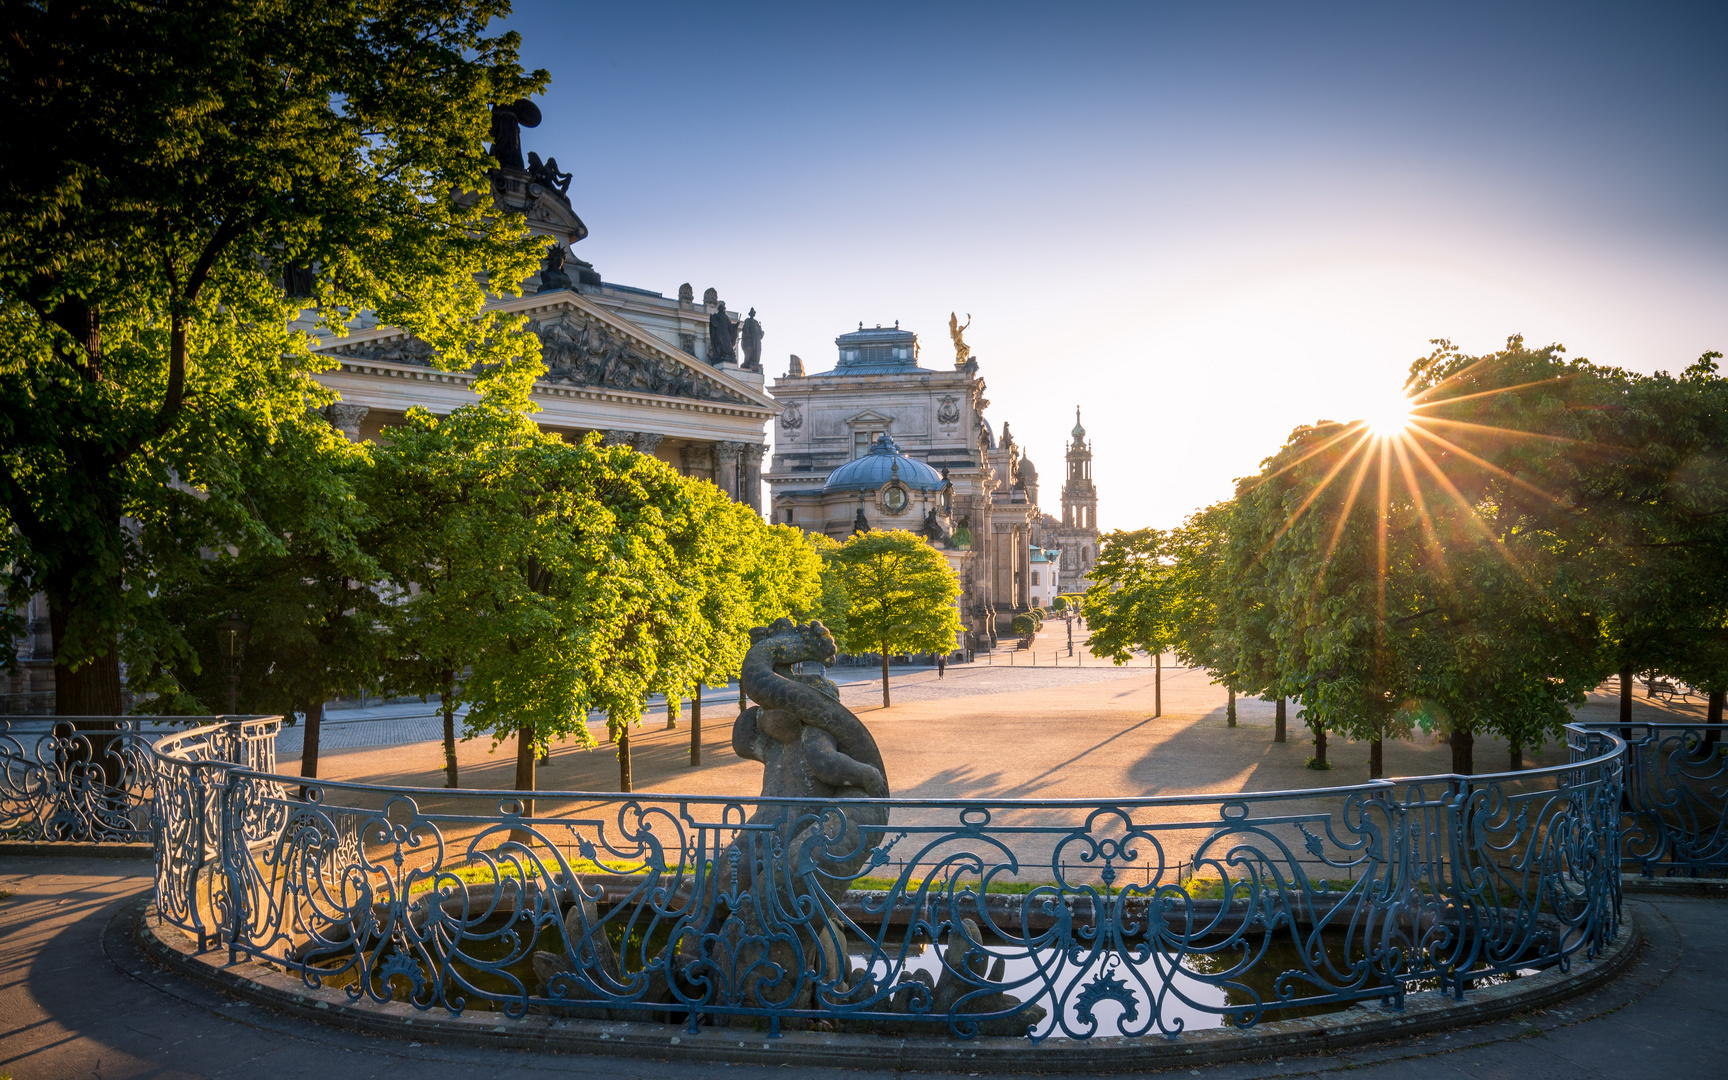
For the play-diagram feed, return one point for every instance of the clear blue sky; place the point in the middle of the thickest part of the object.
(1204, 223)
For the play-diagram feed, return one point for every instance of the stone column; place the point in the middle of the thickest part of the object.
(647, 442)
(346, 418)
(751, 475)
(726, 456)
(698, 460)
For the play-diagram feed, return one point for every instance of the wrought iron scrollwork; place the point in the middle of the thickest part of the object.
(1042, 918)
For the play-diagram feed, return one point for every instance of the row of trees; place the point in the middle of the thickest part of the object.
(1538, 524)
(474, 559)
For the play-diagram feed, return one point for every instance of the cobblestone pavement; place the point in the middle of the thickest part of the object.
(78, 999)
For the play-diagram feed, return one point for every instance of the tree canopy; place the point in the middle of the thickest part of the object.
(900, 595)
(165, 167)
(1538, 523)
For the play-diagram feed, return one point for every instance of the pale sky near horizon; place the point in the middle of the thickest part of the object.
(1204, 224)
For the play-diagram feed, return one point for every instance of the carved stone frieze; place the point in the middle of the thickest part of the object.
(580, 350)
(584, 351)
(403, 350)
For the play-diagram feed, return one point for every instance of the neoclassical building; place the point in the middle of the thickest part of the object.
(880, 441)
(629, 363)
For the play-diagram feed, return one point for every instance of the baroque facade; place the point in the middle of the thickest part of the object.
(879, 441)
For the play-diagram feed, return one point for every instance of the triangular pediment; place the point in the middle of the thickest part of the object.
(582, 344)
(870, 416)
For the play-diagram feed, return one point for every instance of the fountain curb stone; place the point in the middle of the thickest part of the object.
(1425, 1012)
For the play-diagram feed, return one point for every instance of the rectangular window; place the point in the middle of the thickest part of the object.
(1034, 577)
(862, 441)
(788, 515)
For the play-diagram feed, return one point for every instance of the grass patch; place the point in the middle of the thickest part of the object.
(481, 874)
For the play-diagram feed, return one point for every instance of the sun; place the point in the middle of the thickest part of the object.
(1389, 417)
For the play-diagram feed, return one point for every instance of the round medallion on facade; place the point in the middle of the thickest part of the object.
(894, 499)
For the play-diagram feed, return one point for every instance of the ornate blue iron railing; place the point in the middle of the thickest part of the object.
(84, 778)
(1676, 797)
(1039, 917)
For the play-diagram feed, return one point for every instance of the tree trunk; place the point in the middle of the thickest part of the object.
(1230, 708)
(1626, 703)
(671, 715)
(314, 711)
(696, 727)
(1157, 684)
(91, 689)
(1714, 716)
(1377, 758)
(1320, 761)
(1279, 725)
(1463, 742)
(884, 674)
(624, 779)
(525, 761)
(1515, 758)
(445, 700)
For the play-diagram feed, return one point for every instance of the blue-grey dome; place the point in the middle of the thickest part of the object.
(879, 466)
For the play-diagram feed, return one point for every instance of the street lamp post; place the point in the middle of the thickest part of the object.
(233, 637)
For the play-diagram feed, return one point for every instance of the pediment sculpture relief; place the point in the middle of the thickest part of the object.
(580, 352)
(402, 350)
(586, 352)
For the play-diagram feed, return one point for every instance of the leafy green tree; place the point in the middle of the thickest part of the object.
(1128, 607)
(165, 165)
(1655, 488)
(1197, 585)
(304, 583)
(449, 494)
(900, 593)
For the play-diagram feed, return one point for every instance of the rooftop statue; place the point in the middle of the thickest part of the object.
(546, 172)
(722, 336)
(507, 124)
(962, 351)
(752, 342)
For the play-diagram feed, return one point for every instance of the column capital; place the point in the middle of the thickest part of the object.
(613, 437)
(648, 441)
(727, 453)
(346, 418)
(753, 453)
(697, 456)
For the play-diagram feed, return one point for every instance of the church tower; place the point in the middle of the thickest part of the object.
(1078, 535)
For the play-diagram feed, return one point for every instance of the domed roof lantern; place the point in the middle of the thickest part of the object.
(1079, 432)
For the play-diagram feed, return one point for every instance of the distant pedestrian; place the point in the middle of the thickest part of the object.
(941, 665)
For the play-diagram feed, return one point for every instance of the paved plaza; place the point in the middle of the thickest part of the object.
(998, 728)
